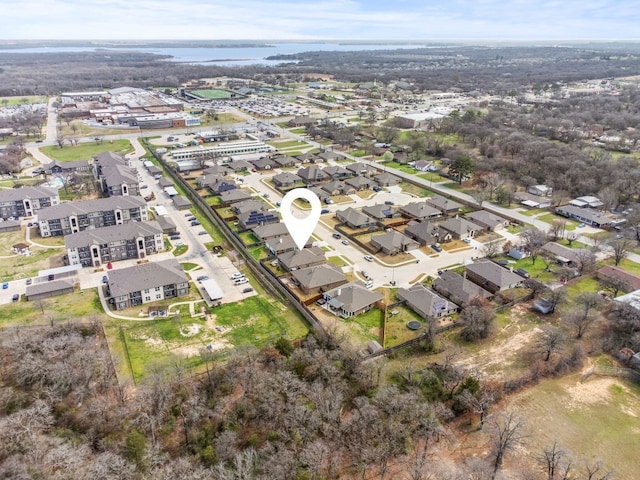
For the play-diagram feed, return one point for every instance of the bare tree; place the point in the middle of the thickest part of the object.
(596, 471)
(615, 284)
(557, 229)
(534, 240)
(507, 433)
(477, 319)
(556, 462)
(491, 249)
(549, 340)
(620, 247)
(586, 260)
(479, 403)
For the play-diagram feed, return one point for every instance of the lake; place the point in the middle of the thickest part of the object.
(227, 56)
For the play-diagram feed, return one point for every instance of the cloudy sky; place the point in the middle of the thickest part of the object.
(321, 19)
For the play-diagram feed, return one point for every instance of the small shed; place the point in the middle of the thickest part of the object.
(21, 248)
(374, 347)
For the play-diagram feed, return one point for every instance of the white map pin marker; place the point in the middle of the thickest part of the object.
(300, 229)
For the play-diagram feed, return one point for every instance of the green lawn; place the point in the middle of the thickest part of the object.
(86, 151)
(399, 166)
(366, 326)
(396, 330)
(587, 284)
(337, 261)
(21, 100)
(416, 190)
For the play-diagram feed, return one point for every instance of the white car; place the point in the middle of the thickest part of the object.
(241, 281)
(237, 275)
(368, 258)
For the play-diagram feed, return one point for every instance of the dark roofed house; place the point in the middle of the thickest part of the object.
(312, 175)
(610, 271)
(426, 303)
(306, 157)
(254, 218)
(592, 217)
(420, 211)
(337, 187)
(443, 204)
(301, 121)
(337, 172)
(460, 228)
(351, 299)
(164, 182)
(264, 163)
(393, 242)
(492, 277)
(239, 166)
(248, 206)
(319, 278)
(330, 156)
(488, 220)
(386, 179)
(285, 161)
(360, 168)
(285, 179)
(359, 183)
(272, 230)
(280, 245)
(354, 219)
(221, 170)
(425, 233)
(563, 255)
(233, 196)
(458, 288)
(297, 259)
(381, 211)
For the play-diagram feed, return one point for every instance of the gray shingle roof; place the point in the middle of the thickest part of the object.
(99, 236)
(425, 302)
(145, 276)
(354, 296)
(13, 194)
(64, 210)
(319, 276)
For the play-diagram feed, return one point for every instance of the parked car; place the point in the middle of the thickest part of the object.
(105, 279)
(247, 290)
(377, 188)
(5, 285)
(237, 275)
(365, 274)
(466, 240)
(179, 244)
(15, 297)
(388, 202)
(202, 232)
(368, 258)
(202, 278)
(436, 247)
(195, 223)
(241, 281)
(581, 225)
(336, 235)
(345, 242)
(324, 210)
(29, 281)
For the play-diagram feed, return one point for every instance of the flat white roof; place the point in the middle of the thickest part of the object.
(213, 289)
(160, 210)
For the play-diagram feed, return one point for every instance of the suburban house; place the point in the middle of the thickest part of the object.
(386, 179)
(67, 218)
(234, 196)
(318, 279)
(532, 201)
(359, 183)
(360, 168)
(279, 245)
(351, 299)
(420, 211)
(285, 161)
(458, 288)
(216, 183)
(95, 247)
(115, 175)
(401, 157)
(425, 233)
(563, 255)
(381, 212)
(306, 158)
(587, 201)
(393, 242)
(337, 172)
(248, 206)
(426, 303)
(221, 170)
(312, 174)
(492, 277)
(239, 166)
(424, 166)
(285, 179)
(336, 187)
(252, 218)
(264, 163)
(592, 217)
(297, 259)
(540, 190)
(610, 271)
(272, 230)
(147, 282)
(488, 220)
(330, 156)
(445, 205)
(354, 218)
(460, 228)
(26, 201)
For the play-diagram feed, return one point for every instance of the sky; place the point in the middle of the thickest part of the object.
(320, 19)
